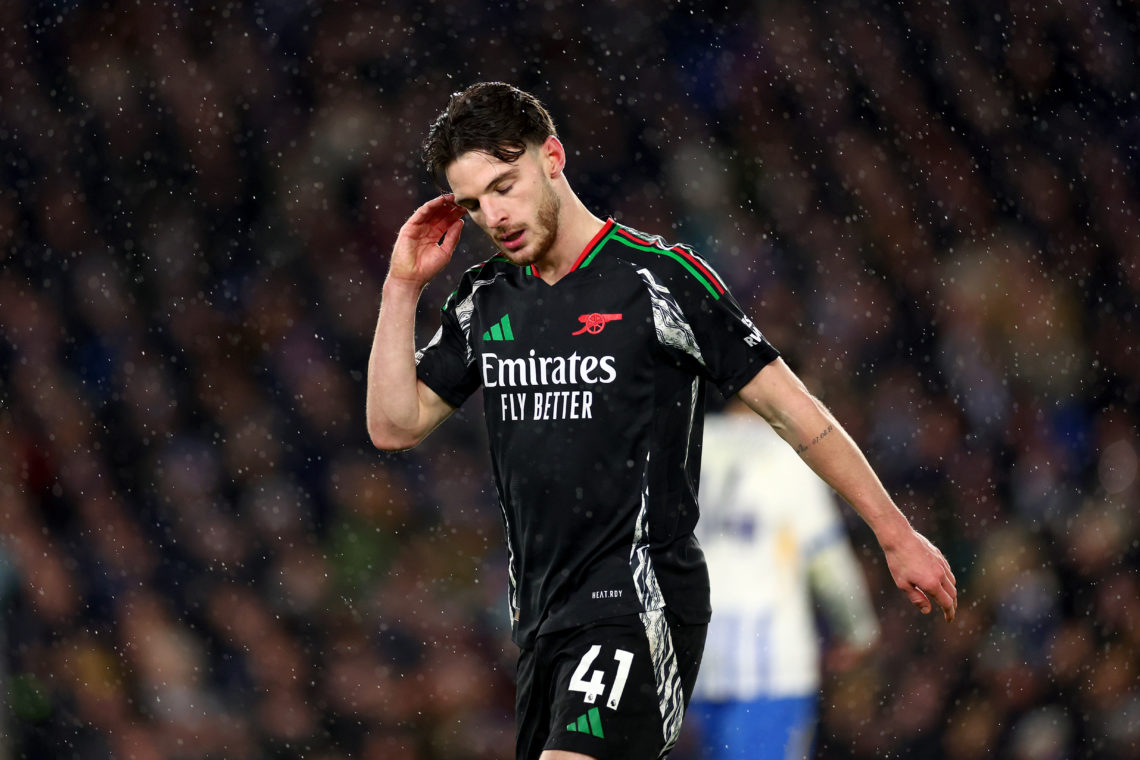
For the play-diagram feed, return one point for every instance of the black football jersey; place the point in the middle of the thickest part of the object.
(593, 392)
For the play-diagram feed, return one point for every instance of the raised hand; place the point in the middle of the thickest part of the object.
(426, 241)
(923, 574)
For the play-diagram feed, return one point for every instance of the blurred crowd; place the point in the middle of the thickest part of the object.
(932, 209)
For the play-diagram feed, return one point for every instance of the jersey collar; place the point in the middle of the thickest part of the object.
(589, 252)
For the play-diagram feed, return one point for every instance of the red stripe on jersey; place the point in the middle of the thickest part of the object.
(590, 246)
(677, 249)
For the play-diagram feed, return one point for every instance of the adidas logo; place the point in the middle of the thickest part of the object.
(501, 330)
(590, 723)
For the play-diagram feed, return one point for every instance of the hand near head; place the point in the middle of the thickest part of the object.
(426, 241)
(923, 574)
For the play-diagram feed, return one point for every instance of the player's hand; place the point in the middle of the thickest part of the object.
(427, 240)
(923, 574)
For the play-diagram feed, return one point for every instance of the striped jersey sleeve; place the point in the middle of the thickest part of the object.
(696, 318)
(447, 363)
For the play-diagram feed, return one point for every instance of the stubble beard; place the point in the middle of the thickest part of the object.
(545, 229)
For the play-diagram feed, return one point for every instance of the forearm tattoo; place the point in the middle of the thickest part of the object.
(804, 447)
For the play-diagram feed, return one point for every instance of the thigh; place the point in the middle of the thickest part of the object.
(620, 687)
(532, 706)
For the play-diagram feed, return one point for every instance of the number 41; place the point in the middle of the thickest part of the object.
(595, 686)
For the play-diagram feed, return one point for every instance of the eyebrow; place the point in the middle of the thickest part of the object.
(503, 175)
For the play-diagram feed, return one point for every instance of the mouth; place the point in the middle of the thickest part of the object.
(514, 240)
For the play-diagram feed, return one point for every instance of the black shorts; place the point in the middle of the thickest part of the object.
(614, 689)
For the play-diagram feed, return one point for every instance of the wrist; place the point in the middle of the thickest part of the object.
(892, 533)
(396, 287)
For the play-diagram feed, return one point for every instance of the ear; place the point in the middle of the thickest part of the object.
(553, 156)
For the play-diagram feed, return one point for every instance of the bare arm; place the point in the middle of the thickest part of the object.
(917, 566)
(401, 410)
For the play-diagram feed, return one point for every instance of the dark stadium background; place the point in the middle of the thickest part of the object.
(932, 209)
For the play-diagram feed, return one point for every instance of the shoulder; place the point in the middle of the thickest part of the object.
(674, 263)
(478, 276)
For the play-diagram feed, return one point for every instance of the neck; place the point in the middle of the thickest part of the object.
(576, 228)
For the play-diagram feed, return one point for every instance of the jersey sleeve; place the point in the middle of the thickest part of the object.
(701, 324)
(447, 363)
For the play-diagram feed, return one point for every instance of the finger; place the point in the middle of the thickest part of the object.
(442, 223)
(435, 226)
(451, 237)
(950, 583)
(457, 212)
(918, 599)
(437, 208)
(453, 209)
(946, 602)
(946, 566)
(953, 593)
(433, 206)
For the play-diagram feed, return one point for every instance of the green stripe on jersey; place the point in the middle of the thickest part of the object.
(601, 244)
(673, 255)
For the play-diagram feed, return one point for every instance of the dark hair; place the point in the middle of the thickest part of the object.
(492, 117)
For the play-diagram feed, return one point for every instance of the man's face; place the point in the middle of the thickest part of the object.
(514, 203)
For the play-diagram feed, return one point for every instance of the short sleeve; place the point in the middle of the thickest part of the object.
(446, 364)
(701, 324)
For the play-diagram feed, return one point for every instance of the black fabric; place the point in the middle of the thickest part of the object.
(545, 705)
(593, 393)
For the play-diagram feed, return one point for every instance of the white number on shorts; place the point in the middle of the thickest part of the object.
(624, 660)
(593, 688)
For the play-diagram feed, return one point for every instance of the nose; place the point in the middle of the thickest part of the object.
(495, 214)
